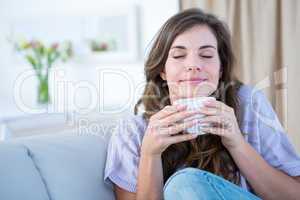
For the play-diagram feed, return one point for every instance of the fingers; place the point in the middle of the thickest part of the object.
(166, 111)
(215, 130)
(180, 138)
(218, 105)
(219, 120)
(179, 127)
(177, 117)
(216, 108)
(209, 111)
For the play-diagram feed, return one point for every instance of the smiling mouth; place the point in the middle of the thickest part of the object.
(193, 81)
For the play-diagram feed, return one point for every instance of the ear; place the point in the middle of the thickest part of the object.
(163, 75)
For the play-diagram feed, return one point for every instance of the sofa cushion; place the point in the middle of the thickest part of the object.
(71, 166)
(19, 177)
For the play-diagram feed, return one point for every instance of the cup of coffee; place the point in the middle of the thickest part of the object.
(193, 104)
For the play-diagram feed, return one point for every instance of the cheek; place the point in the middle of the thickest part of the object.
(173, 71)
(172, 76)
(172, 80)
(216, 74)
(214, 71)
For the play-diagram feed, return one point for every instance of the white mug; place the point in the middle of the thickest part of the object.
(192, 104)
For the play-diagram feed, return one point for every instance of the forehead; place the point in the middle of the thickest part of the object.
(196, 36)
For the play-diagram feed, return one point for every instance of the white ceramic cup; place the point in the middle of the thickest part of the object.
(194, 104)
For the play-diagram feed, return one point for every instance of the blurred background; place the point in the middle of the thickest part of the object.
(66, 64)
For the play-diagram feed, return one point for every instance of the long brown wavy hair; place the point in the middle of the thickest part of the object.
(207, 151)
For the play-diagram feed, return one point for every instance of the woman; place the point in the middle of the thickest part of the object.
(245, 153)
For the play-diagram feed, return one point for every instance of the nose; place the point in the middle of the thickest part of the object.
(194, 68)
(193, 63)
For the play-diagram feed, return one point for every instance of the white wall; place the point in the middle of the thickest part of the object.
(153, 13)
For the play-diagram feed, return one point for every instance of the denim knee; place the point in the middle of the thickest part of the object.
(182, 175)
(190, 183)
(193, 183)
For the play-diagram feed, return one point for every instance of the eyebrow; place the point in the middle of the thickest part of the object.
(202, 47)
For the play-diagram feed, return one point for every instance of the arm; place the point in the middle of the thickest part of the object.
(122, 194)
(150, 178)
(267, 182)
(159, 135)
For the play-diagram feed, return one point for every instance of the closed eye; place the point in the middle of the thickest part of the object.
(182, 56)
(206, 56)
(176, 57)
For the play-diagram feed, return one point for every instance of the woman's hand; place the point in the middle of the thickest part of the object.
(224, 123)
(164, 125)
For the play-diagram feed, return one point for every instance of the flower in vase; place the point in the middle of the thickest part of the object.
(42, 57)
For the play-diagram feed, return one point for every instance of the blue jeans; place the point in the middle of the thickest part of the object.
(195, 184)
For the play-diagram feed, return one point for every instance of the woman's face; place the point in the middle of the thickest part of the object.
(192, 68)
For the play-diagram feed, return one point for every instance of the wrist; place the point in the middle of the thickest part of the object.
(148, 154)
(241, 144)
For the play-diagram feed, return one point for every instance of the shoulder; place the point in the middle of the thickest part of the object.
(254, 102)
(129, 130)
(258, 117)
(123, 152)
(134, 124)
(255, 110)
(250, 95)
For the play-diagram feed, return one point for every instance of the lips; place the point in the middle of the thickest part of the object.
(194, 80)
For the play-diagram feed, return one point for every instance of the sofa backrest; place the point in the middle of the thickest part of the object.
(54, 167)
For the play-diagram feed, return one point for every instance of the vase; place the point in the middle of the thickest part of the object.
(43, 92)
